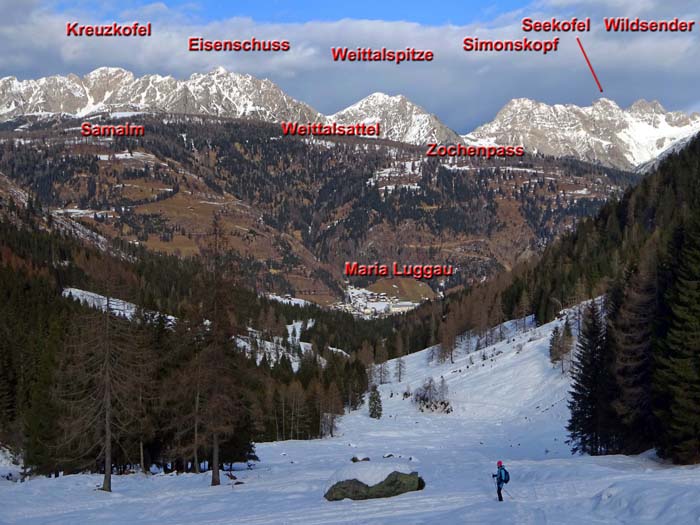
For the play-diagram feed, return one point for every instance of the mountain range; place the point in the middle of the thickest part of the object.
(602, 133)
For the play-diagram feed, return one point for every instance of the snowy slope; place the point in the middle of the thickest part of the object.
(509, 406)
(254, 343)
(115, 306)
(652, 164)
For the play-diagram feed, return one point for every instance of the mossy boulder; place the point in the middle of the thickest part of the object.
(394, 484)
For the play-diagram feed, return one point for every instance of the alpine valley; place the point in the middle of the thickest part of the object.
(157, 310)
(296, 209)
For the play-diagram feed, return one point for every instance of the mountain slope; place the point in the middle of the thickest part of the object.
(401, 119)
(304, 207)
(603, 132)
(646, 221)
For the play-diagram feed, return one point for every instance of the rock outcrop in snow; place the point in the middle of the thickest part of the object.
(365, 481)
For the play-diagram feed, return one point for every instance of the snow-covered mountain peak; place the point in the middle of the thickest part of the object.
(401, 119)
(605, 104)
(376, 102)
(382, 98)
(105, 71)
(642, 106)
(603, 132)
(218, 92)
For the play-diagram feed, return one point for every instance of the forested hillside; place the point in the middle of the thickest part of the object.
(297, 208)
(78, 385)
(638, 373)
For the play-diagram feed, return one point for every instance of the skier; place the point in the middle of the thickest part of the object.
(501, 478)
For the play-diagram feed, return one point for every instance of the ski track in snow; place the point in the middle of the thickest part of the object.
(511, 406)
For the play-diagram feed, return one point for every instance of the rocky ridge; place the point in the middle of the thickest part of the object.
(603, 132)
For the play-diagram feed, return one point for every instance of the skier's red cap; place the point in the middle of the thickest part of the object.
(499, 464)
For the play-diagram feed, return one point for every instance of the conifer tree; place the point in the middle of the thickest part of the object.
(400, 363)
(447, 336)
(567, 339)
(631, 334)
(334, 408)
(560, 344)
(590, 427)
(149, 335)
(523, 309)
(375, 403)
(366, 354)
(223, 397)
(40, 422)
(382, 369)
(555, 345)
(678, 377)
(96, 388)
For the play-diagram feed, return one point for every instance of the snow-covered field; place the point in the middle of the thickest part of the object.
(509, 404)
(116, 306)
(288, 300)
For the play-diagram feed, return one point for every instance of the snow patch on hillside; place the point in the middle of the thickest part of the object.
(110, 304)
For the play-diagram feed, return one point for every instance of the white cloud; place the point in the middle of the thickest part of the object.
(463, 89)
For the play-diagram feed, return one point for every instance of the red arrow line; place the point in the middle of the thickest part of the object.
(595, 77)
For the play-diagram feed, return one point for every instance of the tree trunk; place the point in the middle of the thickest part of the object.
(107, 483)
(215, 481)
(143, 463)
(284, 416)
(277, 428)
(320, 415)
(196, 432)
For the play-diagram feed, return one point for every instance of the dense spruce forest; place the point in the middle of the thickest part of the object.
(637, 363)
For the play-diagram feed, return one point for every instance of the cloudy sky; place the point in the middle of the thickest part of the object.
(463, 89)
